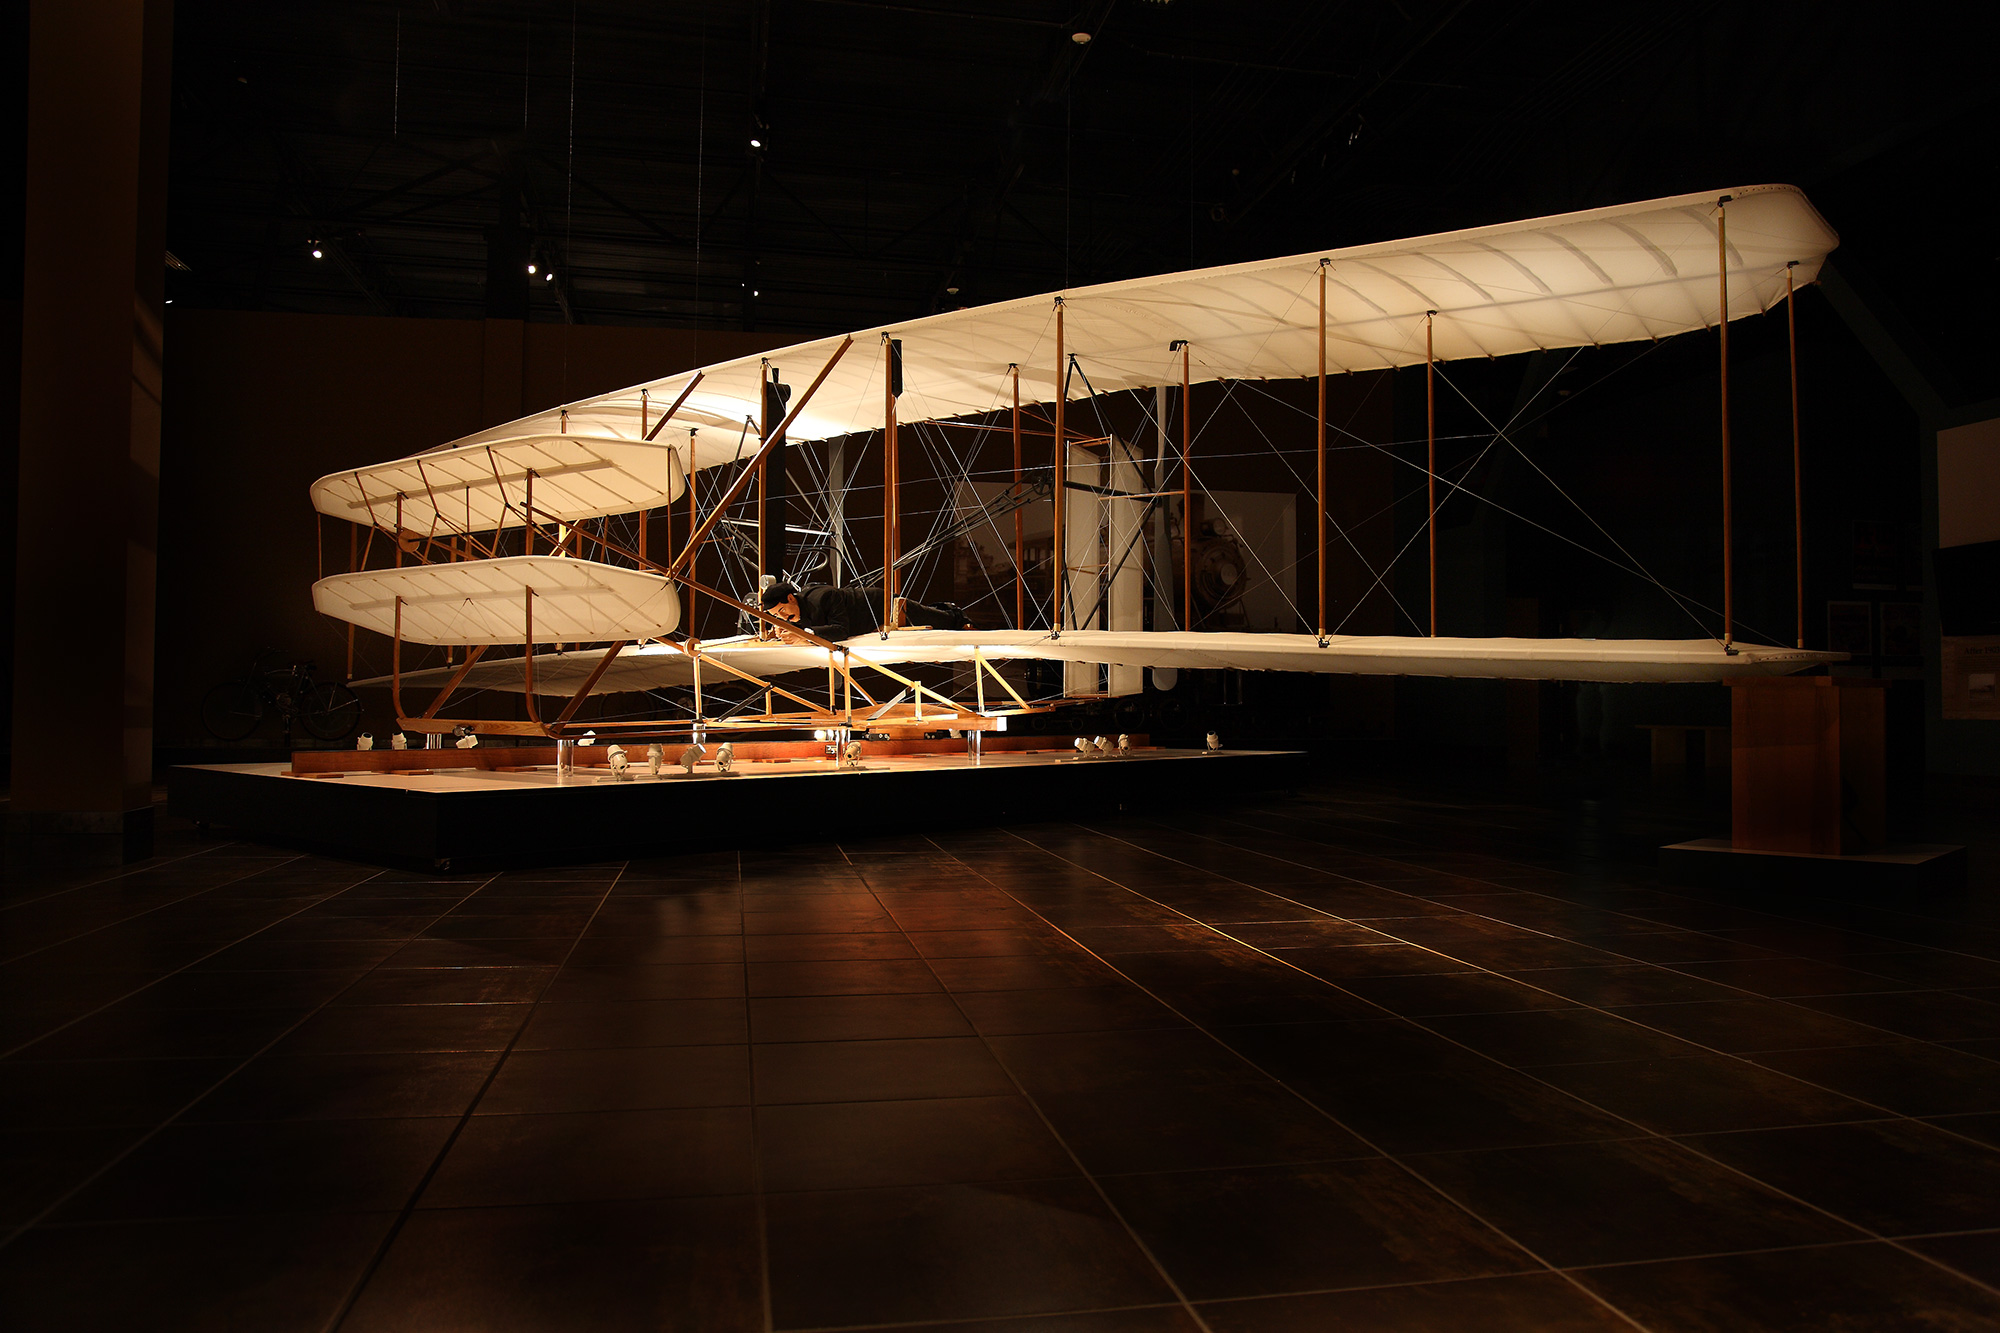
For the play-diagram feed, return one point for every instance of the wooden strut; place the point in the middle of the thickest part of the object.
(590, 682)
(764, 685)
(1059, 563)
(892, 483)
(980, 658)
(1798, 476)
(528, 635)
(694, 651)
(660, 425)
(743, 477)
(1187, 497)
(1320, 444)
(437, 513)
(1728, 555)
(1020, 572)
(457, 679)
(667, 510)
(353, 566)
(1431, 469)
(396, 662)
(691, 629)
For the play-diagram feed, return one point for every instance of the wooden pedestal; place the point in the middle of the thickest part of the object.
(1806, 765)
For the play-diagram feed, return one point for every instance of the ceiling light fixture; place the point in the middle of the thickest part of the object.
(1080, 38)
(548, 277)
(316, 253)
(531, 270)
(756, 143)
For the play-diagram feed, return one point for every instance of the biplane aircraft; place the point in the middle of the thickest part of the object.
(502, 539)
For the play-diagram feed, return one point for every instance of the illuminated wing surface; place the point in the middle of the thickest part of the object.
(1628, 273)
(492, 601)
(656, 666)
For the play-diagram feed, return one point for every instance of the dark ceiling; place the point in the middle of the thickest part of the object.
(917, 156)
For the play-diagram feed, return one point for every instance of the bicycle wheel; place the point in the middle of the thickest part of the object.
(232, 710)
(330, 711)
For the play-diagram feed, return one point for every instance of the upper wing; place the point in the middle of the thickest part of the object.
(1632, 272)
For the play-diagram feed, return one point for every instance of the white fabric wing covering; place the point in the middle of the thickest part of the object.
(1609, 275)
(656, 666)
(487, 601)
(483, 487)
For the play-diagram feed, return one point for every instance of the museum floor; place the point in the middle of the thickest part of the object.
(1364, 1058)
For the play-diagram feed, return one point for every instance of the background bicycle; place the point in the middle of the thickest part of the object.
(235, 709)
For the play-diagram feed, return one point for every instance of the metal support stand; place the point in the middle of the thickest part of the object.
(565, 759)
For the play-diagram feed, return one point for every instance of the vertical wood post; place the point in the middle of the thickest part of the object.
(1431, 465)
(1320, 446)
(528, 635)
(1020, 573)
(1798, 474)
(1187, 497)
(693, 556)
(1722, 324)
(891, 484)
(1061, 475)
(353, 565)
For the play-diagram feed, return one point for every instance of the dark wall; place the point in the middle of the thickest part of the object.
(13, 216)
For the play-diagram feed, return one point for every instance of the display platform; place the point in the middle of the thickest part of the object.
(468, 817)
(1924, 867)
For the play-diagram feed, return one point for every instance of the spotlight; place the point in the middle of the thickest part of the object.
(316, 253)
(755, 292)
(531, 270)
(548, 277)
(756, 143)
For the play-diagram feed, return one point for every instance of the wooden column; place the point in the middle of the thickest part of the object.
(96, 105)
(1807, 764)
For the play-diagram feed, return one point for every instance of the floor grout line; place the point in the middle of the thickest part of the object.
(1726, 1166)
(194, 1101)
(409, 1208)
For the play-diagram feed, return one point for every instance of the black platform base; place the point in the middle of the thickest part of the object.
(1925, 867)
(463, 821)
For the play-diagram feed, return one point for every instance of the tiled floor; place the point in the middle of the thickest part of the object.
(1359, 1059)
